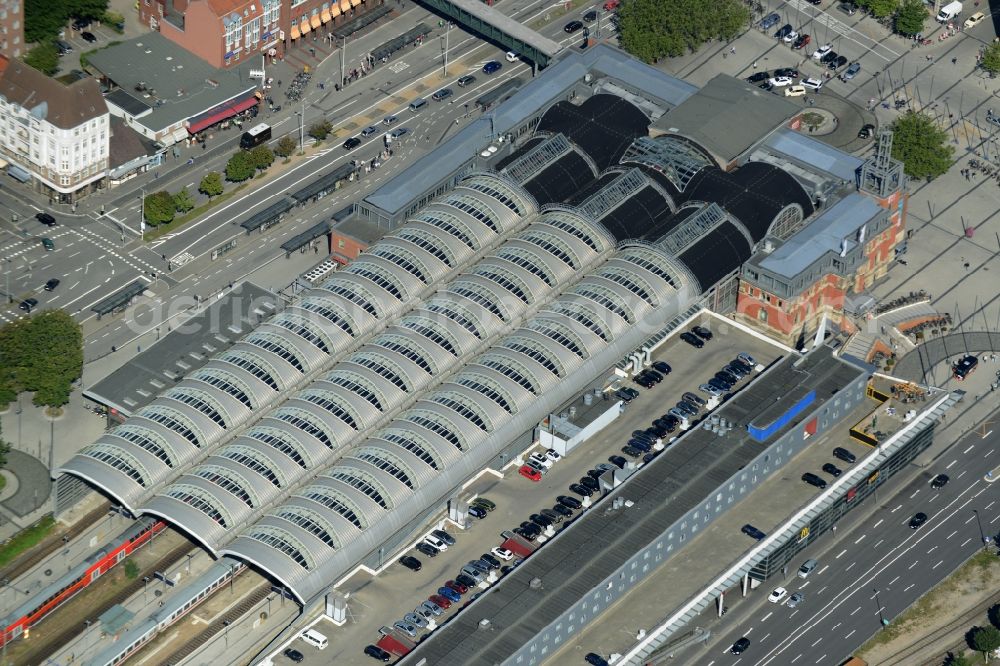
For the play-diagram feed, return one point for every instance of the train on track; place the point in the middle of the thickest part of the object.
(19, 622)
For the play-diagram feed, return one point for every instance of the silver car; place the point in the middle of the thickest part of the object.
(415, 619)
(432, 607)
(710, 390)
(795, 600)
(747, 358)
(407, 628)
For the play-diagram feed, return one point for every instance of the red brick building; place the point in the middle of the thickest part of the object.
(792, 282)
(225, 33)
(12, 28)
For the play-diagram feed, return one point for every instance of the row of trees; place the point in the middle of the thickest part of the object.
(42, 353)
(246, 163)
(655, 29)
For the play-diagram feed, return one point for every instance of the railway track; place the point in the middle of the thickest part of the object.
(50, 544)
(962, 623)
(59, 630)
(220, 624)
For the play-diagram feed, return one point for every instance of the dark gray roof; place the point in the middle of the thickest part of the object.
(602, 60)
(728, 116)
(127, 103)
(515, 29)
(360, 229)
(185, 84)
(560, 181)
(180, 351)
(268, 215)
(603, 126)
(716, 255)
(581, 558)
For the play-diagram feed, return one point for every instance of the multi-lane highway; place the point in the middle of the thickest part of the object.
(873, 572)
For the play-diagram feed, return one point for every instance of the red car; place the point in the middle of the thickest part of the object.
(458, 587)
(529, 473)
(801, 42)
(440, 601)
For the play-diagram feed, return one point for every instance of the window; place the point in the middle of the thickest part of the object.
(281, 542)
(432, 331)
(144, 439)
(301, 328)
(199, 499)
(250, 459)
(276, 345)
(384, 462)
(310, 521)
(280, 442)
(313, 304)
(436, 424)
(359, 480)
(461, 404)
(331, 402)
(451, 225)
(401, 345)
(119, 460)
(383, 367)
(454, 312)
(357, 385)
(226, 480)
(762, 314)
(409, 442)
(171, 419)
(272, 11)
(338, 502)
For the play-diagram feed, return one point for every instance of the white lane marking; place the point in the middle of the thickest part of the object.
(851, 566)
(880, 521)
(896, 509)
(972, 446)
(823, 569)
(840, 554)
(965, 542)
(764, 619)
(937, 565)
(950, 464)
(860, 539)
(907, 588)
(850, 634)
(893, 580)
(951, 535)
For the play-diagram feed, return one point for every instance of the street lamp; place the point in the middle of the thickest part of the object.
(982, 534)
(445, 40)
(302, 128)
(882, 620)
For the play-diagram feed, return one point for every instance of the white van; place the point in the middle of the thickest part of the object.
(314, 638)
(434, 541)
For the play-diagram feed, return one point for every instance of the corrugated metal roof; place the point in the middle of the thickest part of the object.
(815, 153)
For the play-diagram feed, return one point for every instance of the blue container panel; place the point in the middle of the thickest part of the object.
(763, 434)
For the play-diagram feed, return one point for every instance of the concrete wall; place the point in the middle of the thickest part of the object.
(644, 561)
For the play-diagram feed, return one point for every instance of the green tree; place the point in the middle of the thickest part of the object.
(4, 450)
(957, 659)
(92, 9)
(183, 201)
(114, 20)
(911, 16)
(991, 58)
(262, 157)
(240, 167)
(158, 208)
(921, 145)
(986, 640)
(43, 354)
(286, 146)
(211, 184)
(653, 29)
(881, 8)
(131, 568)
(44, 58)
(320, 129)
(43, 19)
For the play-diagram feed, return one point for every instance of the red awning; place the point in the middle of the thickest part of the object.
(220, 113)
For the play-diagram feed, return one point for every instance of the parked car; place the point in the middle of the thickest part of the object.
(821, 52)
(595, 659)
(484, 503)
(630, 451)
(552, 455)
(368, 131)
(769, 21)
(375, 652)
(752, 532)
(563, 510)
(848, 8)
(829, 57)
(477, 512)
(465, 581)
(541, 459)
(867, 131)
(692, 339)
(710, 390)
(918, 520)
(529, 473)
(294, 655)
(758, 77)
(744, 357)
(783, 30)
(390, 120)
(790, 37)
(492, 67)
(430, 607)
(416, 619)
(584, 490)
(449, 594)
(851, 71)
(974, 20)
(723, 387)
(427, 549)
(570, 502)
(811, 83)
(88, 37)
(410, 562)
(801, 42)
(540, 520)
(787, 71)
(845, 455)
(443, 602)
(832, 470)
(662, 367)
(702, 332)
(407, 628)
(81, 23)
(840, 61)
(814, 480)
(502, 553)
(458, 587)
(590, 482)
(780, 81)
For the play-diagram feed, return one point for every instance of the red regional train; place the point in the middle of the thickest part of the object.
(62, 590)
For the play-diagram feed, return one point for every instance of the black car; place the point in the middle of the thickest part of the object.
(530, 528)
(595, 659)
(692, 339)
(540, 520)
(848, 8)
(745, 367)
(631, 452)
(46, 219)
(643, 435)
(639, 445)
(375, 652)
(528, 536)
(829, 57)
(782, 31)
(719, 385)
(688, 408)
(758, 77)
(702, 332)
(490, 560)
(81, 23)
(584, 490)
(352, 143)
(630, 392)
(562, 510)
(667, 426)
(832, 470)
(814, 480)
(766, 86)
(570, 502)
(737, 371)
(787, 71)
(467, 581)
(727, 376)
(654, 375)
(940, 481)
(590, 482)
(617, 461)
(590, 16)
(572, 26)
(866, 131)
(740, 646)
(918, 520)
(843, 454)
(467, 80)
(752, 532)
(427, 549)
(662, 366)
(642, 380)
(410, 562)
(649, 457)
(723, 379)
(294, 655)
(88, 37)
(51, 284)
(442, 94)
(28, 304)
(838, 63)
(477, 512)
(623, 396)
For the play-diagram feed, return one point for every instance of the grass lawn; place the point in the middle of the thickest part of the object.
(25, 539)
(193, 214)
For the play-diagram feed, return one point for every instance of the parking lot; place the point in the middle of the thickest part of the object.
(382, 600)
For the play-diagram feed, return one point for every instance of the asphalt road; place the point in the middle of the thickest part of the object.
(873, 572)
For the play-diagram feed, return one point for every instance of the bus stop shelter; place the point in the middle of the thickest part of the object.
(120, 300)
(268, 217)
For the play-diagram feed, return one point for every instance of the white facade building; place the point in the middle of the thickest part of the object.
(52, 134)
